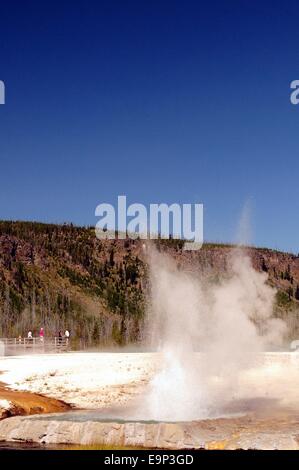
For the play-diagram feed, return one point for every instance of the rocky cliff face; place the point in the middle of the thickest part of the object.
(61, 276)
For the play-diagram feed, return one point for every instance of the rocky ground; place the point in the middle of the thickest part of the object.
(13, 403)
(262, 412)
(280, 432)
(83, 380)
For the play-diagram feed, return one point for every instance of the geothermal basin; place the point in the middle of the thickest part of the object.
(258, 409)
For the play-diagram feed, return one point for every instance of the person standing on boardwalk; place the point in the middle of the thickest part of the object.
(29, 336)
(67, 335)
(41, 334)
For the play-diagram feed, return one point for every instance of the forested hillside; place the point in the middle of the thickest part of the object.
(62, 276)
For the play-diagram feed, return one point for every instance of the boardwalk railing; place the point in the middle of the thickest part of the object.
(14, 346)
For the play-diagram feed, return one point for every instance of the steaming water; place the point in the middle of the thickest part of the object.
(230, 322)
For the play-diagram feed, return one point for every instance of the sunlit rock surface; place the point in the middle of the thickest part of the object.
(261, 411)
(279, 432)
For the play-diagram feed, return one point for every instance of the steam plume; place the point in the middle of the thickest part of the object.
(207, 334)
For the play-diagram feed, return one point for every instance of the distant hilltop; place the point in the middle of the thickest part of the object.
(62, 276)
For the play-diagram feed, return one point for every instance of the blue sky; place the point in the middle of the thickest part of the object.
(161, 101)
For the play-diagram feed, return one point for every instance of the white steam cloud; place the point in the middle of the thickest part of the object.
(207, 333)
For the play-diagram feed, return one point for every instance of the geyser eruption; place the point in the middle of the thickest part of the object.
(207, 333)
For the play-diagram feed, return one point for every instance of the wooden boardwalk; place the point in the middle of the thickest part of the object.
(17, 346)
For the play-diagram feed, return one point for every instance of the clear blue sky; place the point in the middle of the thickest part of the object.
(161, 101)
